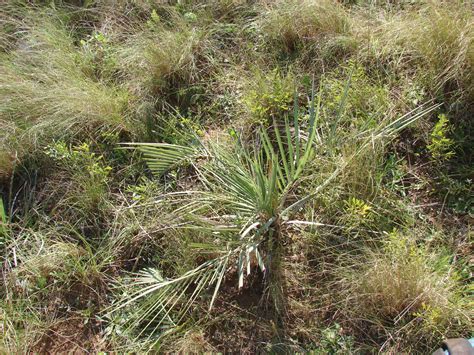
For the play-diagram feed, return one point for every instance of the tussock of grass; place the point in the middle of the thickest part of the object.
(291, 25)
(437, 41)
(46, 92)
(45, 275)
(165, 56)
(6, 164)
(412, 295)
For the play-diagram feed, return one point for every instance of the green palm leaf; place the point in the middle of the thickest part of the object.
(162, 157)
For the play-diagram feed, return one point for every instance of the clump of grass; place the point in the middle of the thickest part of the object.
(438, 42)
(6, 163)
(290, 25)
(46, 90)
(408, 295)
(44, 273)
(354, 103)
(165, 55)
(189, 341)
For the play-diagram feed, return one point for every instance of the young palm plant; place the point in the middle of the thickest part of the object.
(248, 198)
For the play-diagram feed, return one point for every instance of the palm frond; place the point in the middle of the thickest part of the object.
(157, 297)
(162, 157)
(164, 302)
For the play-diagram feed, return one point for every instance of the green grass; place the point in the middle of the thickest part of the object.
(3, 224)
(47, 90)
(257, 177)
(443, 61)
(291, 26)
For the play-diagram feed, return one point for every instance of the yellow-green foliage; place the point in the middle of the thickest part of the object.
(269, 95)
(440, 145)
(88, 172)
(357, 213)
(366, 100)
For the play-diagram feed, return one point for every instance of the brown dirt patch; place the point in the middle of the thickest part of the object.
(71, 336)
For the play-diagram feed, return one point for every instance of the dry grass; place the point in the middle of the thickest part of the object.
(437, 41)
(163, 57)
(405, 295)
(47, 92)
(290, 25)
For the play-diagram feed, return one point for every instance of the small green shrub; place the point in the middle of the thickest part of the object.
(99, 57)
(458, 194)
(394, 172)
(440, 145)
(269, 96)
(366, 101)
(87, 171)
(238, 211)
(357, 213)
(334, 341)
